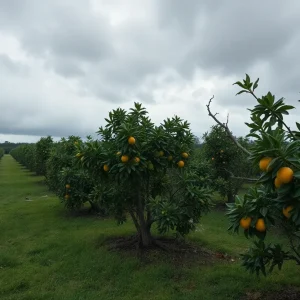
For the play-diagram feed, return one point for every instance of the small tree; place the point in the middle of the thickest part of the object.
(226, 159)
(1, 152)
(275, 199)
(25, 155)
(66, 178)
(42, 153)
(142, 169)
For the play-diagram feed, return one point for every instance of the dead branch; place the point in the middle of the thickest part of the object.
(225, 126)
(240, 178)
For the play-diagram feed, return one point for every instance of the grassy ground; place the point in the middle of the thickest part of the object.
(47, 254)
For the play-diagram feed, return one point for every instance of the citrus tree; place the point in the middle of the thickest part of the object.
(42, 153)
(66, 178)
(25, 155)
(1, 152)
(225, 160)
(142, 170)
(275, 198)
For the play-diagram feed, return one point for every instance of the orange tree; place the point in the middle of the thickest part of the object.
(42, 153)
(275, 198)
(68, 180)
(143, 170)
(25, 155)
(225, 159)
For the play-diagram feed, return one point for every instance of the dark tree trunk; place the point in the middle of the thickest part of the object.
(145, 237)
(230, 197)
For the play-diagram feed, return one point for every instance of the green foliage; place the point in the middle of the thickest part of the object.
(226, 162)
(42, 153)
(63, 171)
(275, 140)
(1, 152)
(25, 155)
(150, 185)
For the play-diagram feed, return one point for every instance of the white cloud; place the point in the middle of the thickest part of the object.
(65, 64)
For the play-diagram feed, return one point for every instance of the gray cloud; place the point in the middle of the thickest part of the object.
(72, 58)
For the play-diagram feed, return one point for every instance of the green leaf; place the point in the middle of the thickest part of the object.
(263, 211)
(255, 84)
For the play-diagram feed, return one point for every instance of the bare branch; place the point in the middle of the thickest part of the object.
(225, 126)
(240, 178)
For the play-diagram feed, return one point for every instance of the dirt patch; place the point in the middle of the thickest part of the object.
(169, 250)
(289, 293)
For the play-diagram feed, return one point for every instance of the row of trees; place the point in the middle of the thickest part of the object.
(1, 152)
(156, 175)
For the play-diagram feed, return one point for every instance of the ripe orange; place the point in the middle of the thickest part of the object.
(68, 186)
(285, 174)
(131, 140)
(67, 196)
(245, 222)
(106, 168)
(170, 157)
(286, 211)
(180, 164)
(137, 159)
(264, 162)
(277, 183)
(184, 155)
(124, 158)
(260, 225)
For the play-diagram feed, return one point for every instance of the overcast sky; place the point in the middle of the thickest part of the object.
(64, 64)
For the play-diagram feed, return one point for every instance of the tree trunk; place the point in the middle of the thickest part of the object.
(230, 197)
(145, 237)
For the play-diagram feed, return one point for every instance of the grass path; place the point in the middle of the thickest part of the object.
(47, 254)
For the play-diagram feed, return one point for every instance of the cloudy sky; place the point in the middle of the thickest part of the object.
(64, 64)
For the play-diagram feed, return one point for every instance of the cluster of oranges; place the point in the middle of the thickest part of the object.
(125, 158)
(284, 175)
(259, 225)
(67, 196)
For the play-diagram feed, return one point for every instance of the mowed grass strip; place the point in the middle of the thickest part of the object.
(45, 253)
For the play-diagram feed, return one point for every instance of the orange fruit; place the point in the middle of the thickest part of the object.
(161, 153)
(67, 186)
(150, 166)
(285, 174)
(67, 196)
(180, 164)
(286, 211)
(260, 225)
(106, 168)
(184, 155)
(245, 222)
(170, 157)
(277, 183)
(264, 162)
(131, 140)
(124, 158)
(137, 159)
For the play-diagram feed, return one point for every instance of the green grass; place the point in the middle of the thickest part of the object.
(47, 254)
